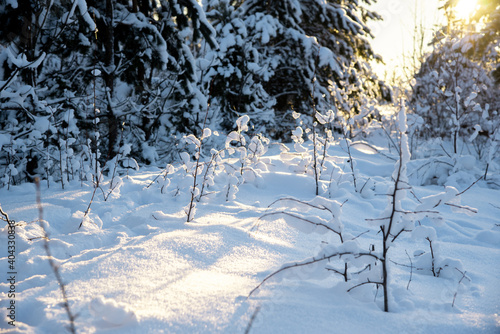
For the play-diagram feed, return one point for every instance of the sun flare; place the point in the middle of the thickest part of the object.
(465, 8)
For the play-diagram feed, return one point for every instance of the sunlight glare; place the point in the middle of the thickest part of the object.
(465, 8)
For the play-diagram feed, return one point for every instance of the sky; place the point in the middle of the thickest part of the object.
(394, 35)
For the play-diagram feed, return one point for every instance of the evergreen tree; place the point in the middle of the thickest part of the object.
(148, 79)
(454, 91)
(67, 87)
(315, 48)
(234, 74)
(36, 135)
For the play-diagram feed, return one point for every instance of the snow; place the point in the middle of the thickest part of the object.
(326, 57)
(266, 26)
(82, 6)
(21, 61)
(108, 311)
(12, 3)
(136, 266)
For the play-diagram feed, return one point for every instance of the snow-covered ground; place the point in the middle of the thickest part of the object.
(136, 266)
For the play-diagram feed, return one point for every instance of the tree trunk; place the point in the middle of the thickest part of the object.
(109, 77)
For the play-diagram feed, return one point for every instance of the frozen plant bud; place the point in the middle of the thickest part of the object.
(206, 133)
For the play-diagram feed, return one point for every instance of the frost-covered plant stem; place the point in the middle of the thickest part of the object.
(387, 233)
(211, 164)
(316, 260)
(164, 173)
(52, 264)
(94, 154)
(432, 257)
(464, 276)
(252, 319)
(189, 214)
(315, 159)
(61, 163)
(351, 162)
(456, 117)
(389, 230)
(113, 174)
(5, 216)
(308, 221)
(190, 210)
(315, 148)
(90, 204)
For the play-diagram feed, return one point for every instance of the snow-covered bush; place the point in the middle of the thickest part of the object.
(249, 155)
(211, 174)
(194, 169)
(77, 68)
(456, 96)
(370, 266)
(272, 55)
(455, 100)
(312, 157)
(339, 255)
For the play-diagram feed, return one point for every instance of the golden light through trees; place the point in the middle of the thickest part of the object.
(464, 9)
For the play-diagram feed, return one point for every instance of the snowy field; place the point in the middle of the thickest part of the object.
(136, 266)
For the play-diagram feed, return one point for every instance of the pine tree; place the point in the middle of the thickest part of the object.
(67, 87)
(454, 91)
(234, 74)
(35, 131)
(144, 76)
(312, 49)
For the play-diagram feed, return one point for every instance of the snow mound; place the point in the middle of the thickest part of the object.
(111, 312)
(491, 237)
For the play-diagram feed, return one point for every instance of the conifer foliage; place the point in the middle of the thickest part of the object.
(83, 82)
(455, 91)
(317, 48)
(81, 79)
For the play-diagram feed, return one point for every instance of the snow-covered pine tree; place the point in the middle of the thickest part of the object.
(484, 22)
(61, 82)
(184, 24)
(152, 89)
(315, 48)
(454, 90)
(233, 75)
(36, 134)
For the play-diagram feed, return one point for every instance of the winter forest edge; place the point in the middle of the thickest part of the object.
(196, 103)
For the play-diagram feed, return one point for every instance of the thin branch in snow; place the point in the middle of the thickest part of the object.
(411, 270)
(373, 148)
(302, 219)
(473, 183)
(309, 262)
(364, 283)
(252, 319)
(52, 263)
(301, 202)
(462, 207)
(360, 234)
(495, 206)
(5, 216)
(415, 196)
(459, 282)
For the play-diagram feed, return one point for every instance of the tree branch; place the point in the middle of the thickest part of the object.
(309, 262)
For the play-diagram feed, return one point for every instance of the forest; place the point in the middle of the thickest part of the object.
(84, 84)
(237, 166)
